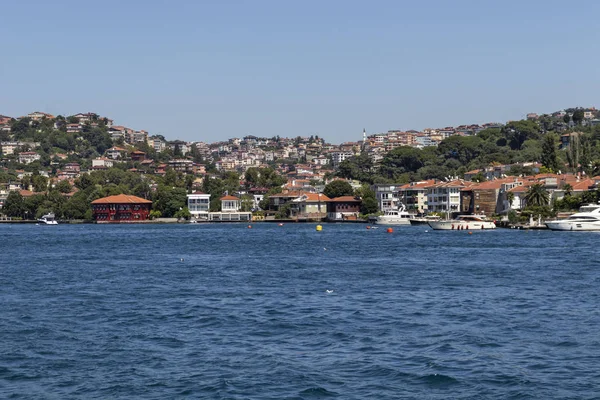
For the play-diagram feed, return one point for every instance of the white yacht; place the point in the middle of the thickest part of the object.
(587, 219)
(394, 217)
(48, 219)
(472, 222)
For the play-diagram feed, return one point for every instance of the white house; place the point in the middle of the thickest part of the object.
(115, 152)
(198, 204)
(387, 196)
(230, 211)
(27, 157)
(102, 163)
(445, 196)
(230, 204)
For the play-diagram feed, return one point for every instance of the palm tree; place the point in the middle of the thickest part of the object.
(510, 197)
(568, 189)
(537, 195)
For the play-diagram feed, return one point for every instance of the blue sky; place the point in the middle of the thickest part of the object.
(212, 70)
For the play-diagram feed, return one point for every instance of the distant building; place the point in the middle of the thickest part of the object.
(102, 163)
(121, 208)
(38, 116)
(115, 152)
(27, 157)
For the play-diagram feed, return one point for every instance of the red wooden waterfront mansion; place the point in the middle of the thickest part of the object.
(121, 208)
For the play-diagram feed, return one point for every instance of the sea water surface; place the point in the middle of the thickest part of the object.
(221, 311)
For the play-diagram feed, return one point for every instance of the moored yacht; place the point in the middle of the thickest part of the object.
(587, 219)
(394, 217)
(48, 219)
(473, 222)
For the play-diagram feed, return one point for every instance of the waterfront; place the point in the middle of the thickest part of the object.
(284, 312)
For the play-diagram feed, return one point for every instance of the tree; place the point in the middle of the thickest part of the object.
(549, 152)
(568, 189)
(537, 196)
(183, 213)
(399, 161)
(369, 203)
(358, 167)
(64, 186)
(517, 132)
(567, 118)
(510, 197)
(338, 189)
(13, 206)
(578, 116)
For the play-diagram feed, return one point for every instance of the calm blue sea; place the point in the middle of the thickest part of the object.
(220, 311)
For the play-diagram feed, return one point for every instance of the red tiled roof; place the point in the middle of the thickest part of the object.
(315, 197)
(121, 199)
(345, 199)
(26, 193)
(229, 197)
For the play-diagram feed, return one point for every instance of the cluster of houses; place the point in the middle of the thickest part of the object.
(496, 196)
(305, 206)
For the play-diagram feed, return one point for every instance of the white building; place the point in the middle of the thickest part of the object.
(102, 163)
(199, 205)
(230, 211)
(387, 196)
(338, 156)
(445, 196)
(27, 157)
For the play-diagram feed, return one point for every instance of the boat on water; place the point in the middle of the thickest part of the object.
(398, 216)
(424, 220)
(48, 219)
(473, 222)
(587, 219)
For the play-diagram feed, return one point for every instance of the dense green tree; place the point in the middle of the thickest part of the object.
(64, 187)
(338, 188)
(13, 206)
(369, 204)
(401, 160)
(183, 213)
(549, 156)
(169, 200)
(358, 167)
(517, 132)
(461, 148)
(578, 116)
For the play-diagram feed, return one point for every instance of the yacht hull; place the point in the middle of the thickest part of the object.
(382, 220)
(573, 226)
(461, 225)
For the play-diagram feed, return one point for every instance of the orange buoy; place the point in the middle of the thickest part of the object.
(249, 226)
(368, 227)
(390, 230)
(470, 233)
(280, 224)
